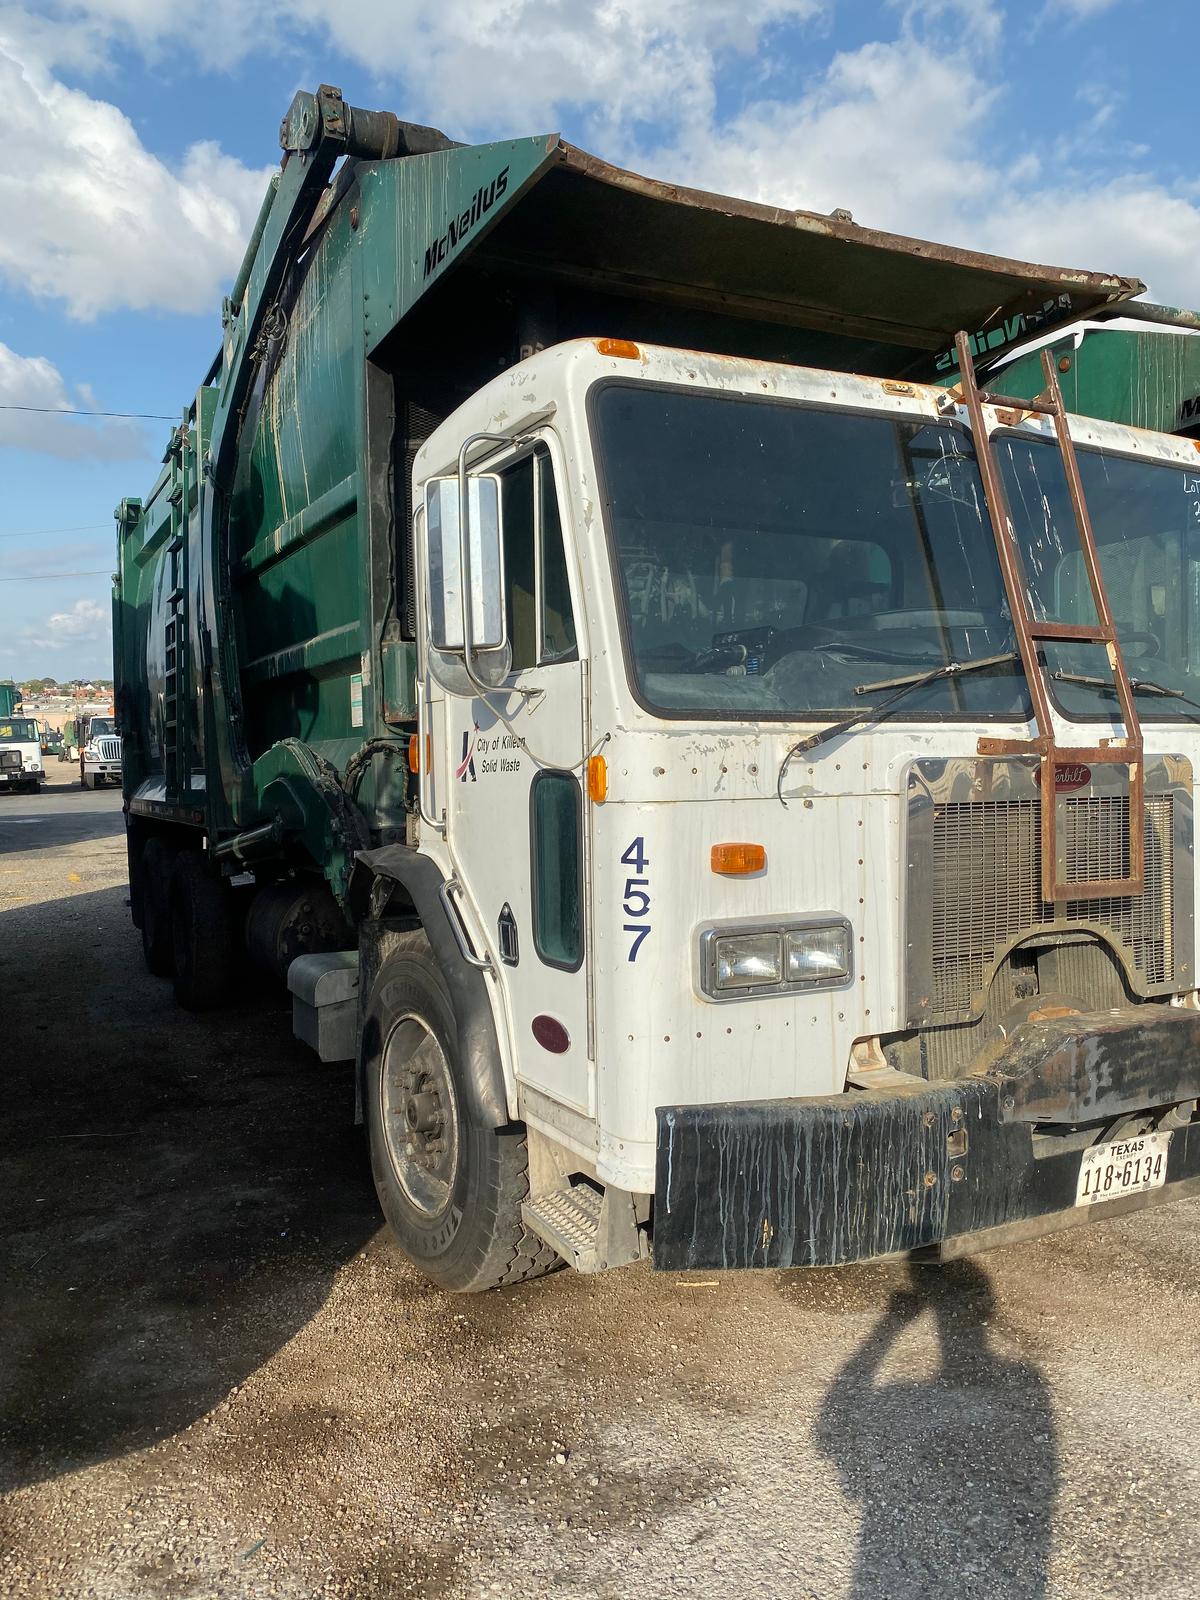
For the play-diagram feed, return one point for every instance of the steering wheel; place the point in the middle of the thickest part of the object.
(1151, 640)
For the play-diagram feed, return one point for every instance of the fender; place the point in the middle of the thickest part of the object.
(302, 790)
(417, 881)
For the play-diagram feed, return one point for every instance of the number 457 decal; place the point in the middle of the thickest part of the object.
(635, 902)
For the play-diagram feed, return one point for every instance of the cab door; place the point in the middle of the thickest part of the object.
(513, 793)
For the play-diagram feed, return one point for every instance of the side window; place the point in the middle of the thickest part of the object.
(556, 623)
(541, 626)
(556, 825)
(519, 580)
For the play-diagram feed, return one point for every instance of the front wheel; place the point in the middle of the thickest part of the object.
(450, 1189)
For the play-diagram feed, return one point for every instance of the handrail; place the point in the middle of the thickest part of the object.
(446, 890)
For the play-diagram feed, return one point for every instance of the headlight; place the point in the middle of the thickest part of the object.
(819, 953)
(741, 961)
(748, 960)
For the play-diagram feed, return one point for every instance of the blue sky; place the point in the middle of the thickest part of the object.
(139, 135)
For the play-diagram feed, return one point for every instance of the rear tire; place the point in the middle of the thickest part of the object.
(203, 946)
(450, 1189)
(155, 875)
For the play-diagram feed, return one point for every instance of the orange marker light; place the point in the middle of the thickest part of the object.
(414, 753)
(738, 860)
(619, 347)
(597, 779)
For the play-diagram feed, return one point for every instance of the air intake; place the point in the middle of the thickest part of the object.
(975, 877)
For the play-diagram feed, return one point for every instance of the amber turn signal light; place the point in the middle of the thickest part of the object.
(619, 347)
(414, 753)
(738, 860)
(597, 779)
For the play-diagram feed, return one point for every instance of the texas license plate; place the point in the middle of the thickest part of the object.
(1127, 1166)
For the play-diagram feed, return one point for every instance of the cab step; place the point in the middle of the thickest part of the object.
(568, 1220)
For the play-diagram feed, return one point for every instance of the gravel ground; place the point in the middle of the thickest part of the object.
(218, 1378)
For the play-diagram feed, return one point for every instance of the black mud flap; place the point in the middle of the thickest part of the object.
(820, 1182)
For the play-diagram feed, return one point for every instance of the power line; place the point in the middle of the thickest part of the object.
(36, 533)
(37, 577)
(70, 411)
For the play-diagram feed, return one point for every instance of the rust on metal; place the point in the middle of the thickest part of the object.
(1029, 632)
(623, 234)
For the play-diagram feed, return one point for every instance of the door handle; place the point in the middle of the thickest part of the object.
(484, 962)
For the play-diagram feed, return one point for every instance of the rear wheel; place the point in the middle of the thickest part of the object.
(203, 946)
(155, 872)
(450, 1189)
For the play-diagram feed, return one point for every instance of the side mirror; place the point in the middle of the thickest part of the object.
(486, 562)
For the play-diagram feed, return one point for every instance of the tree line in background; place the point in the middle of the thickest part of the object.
(52, 686)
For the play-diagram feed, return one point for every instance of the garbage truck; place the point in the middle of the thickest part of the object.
(1137, 363)
(728, 792)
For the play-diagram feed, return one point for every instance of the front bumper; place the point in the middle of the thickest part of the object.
(940, 1167)
(21, 775)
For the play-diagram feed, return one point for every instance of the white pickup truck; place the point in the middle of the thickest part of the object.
(21, 754)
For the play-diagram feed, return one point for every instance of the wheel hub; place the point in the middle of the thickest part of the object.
(419, 1115)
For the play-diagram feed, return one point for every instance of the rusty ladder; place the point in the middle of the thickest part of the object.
(1030, 633)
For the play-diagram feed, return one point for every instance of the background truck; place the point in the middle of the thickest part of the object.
(21, 765)
(1137, 363)
(10, 699)
(700, 788)
(99, 745)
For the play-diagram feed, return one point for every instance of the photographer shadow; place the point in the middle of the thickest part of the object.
(955, 1469)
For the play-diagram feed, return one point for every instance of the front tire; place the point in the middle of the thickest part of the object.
(450, 1189)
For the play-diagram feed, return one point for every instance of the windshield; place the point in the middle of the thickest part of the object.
(1146, 519)
(99, 725)
(774, 556)
(18, 730)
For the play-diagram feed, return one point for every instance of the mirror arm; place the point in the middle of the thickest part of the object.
(464, 557)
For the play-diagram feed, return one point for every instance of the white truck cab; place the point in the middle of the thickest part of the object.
(21, 764)
(726, 763)
(100, 755)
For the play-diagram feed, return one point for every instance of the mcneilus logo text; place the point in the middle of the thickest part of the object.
(482, 202)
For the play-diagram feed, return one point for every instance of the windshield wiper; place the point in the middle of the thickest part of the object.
(900, 687)
(947, 669)
(1138, 685)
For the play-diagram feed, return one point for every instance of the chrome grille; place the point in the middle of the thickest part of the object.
(109, 747)
(986, 886)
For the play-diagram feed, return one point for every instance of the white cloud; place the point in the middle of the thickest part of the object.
(840, 144)
(105, 224)
(84, 623)
(473, 64)
(1080, 10)
(901, 131)
(849, 141)
(36, 382)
